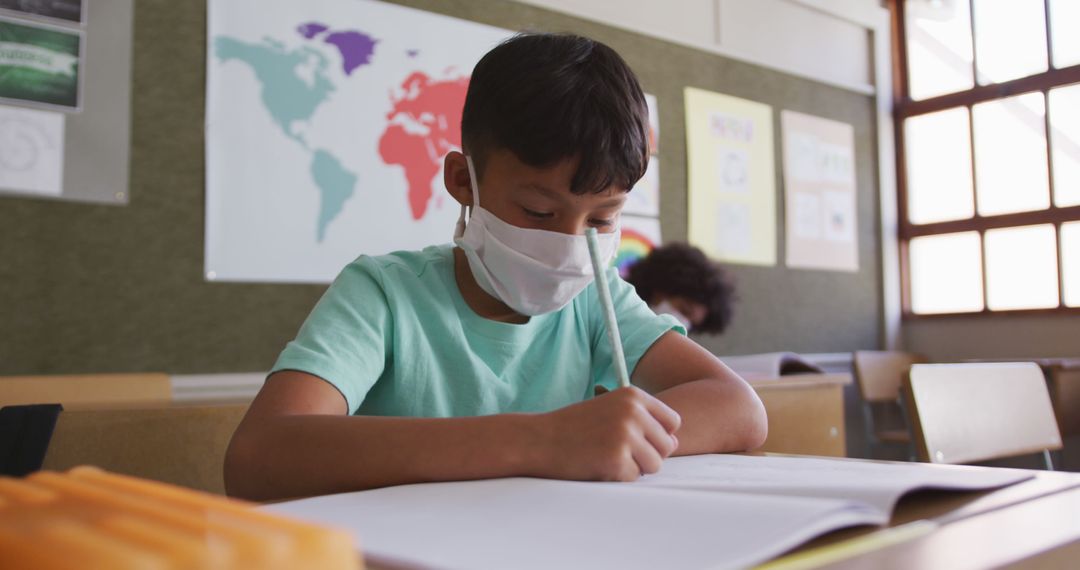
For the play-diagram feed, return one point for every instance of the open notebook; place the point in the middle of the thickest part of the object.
(706, 511)
(770, 365)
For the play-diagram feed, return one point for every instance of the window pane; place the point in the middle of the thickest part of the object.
(938, 47)
(1021, 268)
(1065, 142)
(1070, 262)
(1064, 14)
(1010, 39)
(1010, 155)
(938, 155)
(946, 273)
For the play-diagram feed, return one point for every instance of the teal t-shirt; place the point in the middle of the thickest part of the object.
(395, 336)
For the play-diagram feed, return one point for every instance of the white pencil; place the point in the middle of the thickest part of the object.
(609, 309)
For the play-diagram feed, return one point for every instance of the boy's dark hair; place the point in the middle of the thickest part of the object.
(549, 97)
(683, 270)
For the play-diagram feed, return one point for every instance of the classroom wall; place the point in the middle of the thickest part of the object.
(1001, 336)
(90, 288)
(832, 46)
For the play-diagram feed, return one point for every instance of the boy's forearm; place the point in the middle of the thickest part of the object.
(718, 416)
(304, 455)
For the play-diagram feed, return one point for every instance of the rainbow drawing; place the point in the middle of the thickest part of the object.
(633, 247)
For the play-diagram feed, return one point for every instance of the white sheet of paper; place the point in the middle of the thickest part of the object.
(536, 523)
(877, 484)
(820, 193)
(644, 198)
(768, 364)
(31, 151)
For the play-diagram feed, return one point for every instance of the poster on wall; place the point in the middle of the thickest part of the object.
(654, 123)
(640, 236)
(819, 192)
(31, 151)
(731, 192)
(64, 11)
(40, 65)
(644, 198)
(326, 126)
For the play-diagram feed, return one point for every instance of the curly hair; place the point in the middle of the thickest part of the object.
(680, 269)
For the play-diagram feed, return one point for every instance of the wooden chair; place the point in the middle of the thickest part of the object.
(181, 445)
(879, 376)
(87, 390)
(1064, 378)
(962, 413)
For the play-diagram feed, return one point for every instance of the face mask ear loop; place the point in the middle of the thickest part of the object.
(459, 229)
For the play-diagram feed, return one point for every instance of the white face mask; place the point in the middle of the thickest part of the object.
(666, 308)
(532, 271)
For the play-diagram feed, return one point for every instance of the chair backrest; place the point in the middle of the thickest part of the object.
(962, 413)
(182, 445)
(1065, 393)
(879, 374)
(87, 390)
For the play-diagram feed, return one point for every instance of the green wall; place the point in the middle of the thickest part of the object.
(86, 288)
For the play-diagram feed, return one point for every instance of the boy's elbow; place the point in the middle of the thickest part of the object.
(238, 466)
(754, 427)
(757, 428)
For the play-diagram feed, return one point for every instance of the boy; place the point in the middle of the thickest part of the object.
(482, 360)
(679, 280)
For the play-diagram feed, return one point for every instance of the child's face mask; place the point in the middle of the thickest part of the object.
(532, 271)
(666, 308)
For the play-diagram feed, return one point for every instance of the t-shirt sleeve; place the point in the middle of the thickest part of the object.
(347, 337)
(639, 328)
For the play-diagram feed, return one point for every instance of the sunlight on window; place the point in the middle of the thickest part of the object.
(1010, 39)
(946, 273)
(938, 47)
(1064, 15)
(1010, 155)
(1070, 262)
(938, 155)
(1021, 268)
(1065, 142)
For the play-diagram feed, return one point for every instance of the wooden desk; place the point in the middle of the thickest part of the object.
(1032, 520)
(806, 413)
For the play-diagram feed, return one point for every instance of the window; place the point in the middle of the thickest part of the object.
(988, 155)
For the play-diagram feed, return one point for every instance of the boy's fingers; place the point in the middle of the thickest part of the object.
(663, 442)
(647, 459)
(663, 413)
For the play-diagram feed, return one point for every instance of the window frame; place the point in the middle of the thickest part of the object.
(904, 108)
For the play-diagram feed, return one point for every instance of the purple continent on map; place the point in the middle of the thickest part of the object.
(356, 48)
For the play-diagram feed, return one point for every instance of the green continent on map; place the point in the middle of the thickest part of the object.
(285, 94)
(335, 184)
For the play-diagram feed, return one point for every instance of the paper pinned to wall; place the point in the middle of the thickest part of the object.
(40, 64)
(644, 198)
(31, 151)
(639, 237)
(654, 123)
(819, 175)
(732, 193)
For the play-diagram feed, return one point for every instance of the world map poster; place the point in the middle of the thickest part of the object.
(326, 126)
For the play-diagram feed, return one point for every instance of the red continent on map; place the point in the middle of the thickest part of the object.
(424, 125)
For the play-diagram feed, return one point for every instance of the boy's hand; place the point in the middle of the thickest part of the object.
(616, 436)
